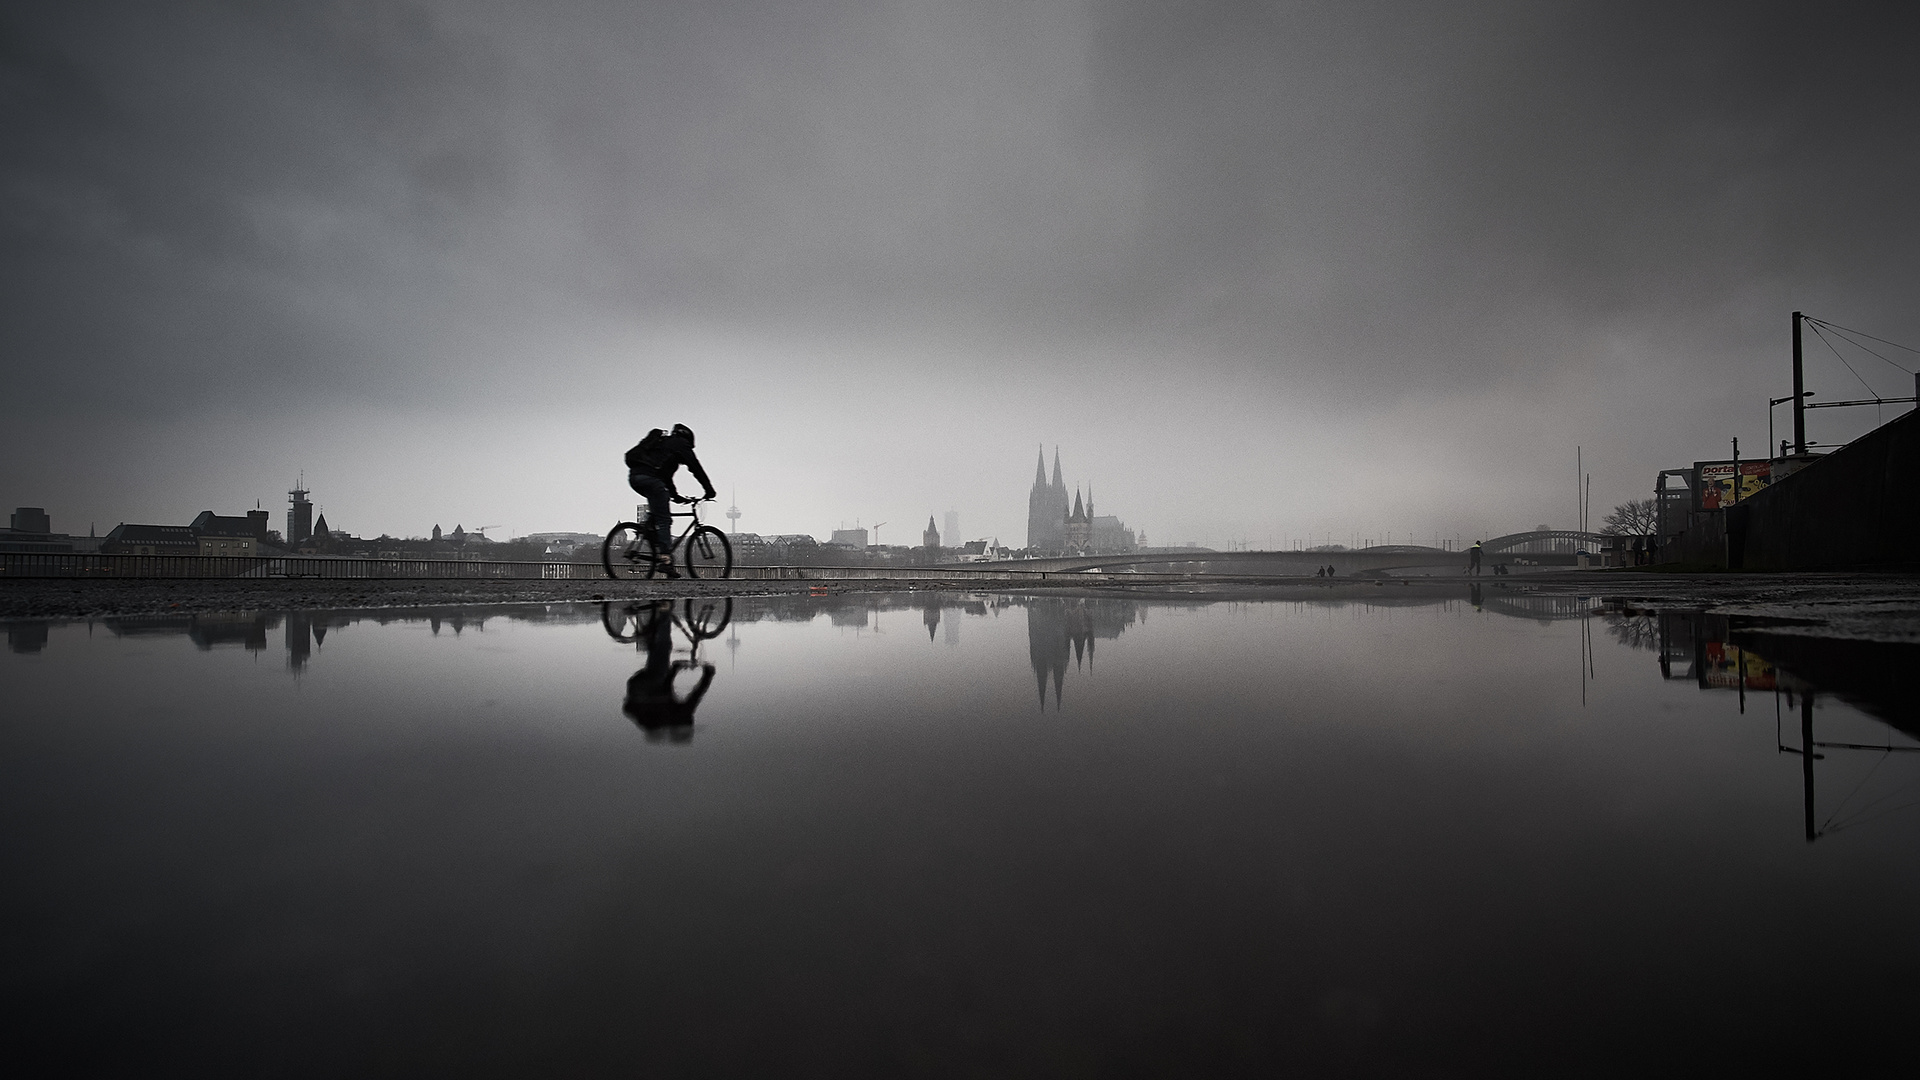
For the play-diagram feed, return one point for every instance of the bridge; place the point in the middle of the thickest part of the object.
(1535, 546)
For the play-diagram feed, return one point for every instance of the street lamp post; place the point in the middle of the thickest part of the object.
(1771, 403)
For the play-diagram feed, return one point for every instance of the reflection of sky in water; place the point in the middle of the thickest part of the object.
(939, 834)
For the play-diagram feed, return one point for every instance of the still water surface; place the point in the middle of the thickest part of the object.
(987, 835)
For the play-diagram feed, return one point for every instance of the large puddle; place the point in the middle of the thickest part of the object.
(981, 835)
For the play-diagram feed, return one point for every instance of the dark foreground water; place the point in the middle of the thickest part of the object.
(955, 836)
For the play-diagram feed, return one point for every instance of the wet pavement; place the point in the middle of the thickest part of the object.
(1372, 829)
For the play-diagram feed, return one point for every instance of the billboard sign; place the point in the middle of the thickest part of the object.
(1714, 490)
(1728, 667)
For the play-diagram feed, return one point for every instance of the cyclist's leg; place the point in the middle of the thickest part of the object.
(659, 509)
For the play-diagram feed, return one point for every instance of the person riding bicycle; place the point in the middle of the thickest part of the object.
(650, 468)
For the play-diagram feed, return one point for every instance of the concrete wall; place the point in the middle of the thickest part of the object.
(1856, 508)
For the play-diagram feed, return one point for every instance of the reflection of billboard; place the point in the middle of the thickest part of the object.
(1714, 490)
(1725, 663)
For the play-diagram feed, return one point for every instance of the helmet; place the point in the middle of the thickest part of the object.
(684, 432)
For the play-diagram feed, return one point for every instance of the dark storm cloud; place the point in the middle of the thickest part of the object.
(1514, 216)
(1412, 185)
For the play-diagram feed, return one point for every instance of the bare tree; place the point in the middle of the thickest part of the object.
(1635, 517)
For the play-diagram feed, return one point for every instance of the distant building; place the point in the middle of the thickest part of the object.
(1055, 526)
(31, 519)
(32, 532)
(950, 528)
(1078, 538)
(151, 540)
(855, 538)
(299, 514)
(219, 535)
(1047, 507)
(930, 538)
(1110, 534)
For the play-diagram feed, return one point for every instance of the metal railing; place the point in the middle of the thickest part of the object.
(96, 565)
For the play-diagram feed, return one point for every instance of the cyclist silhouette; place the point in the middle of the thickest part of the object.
(650, 468)
(651, 701)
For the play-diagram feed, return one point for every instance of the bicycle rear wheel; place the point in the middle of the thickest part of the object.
(626, 553)
(709, 554)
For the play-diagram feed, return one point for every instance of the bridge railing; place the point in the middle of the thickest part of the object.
(96, 565)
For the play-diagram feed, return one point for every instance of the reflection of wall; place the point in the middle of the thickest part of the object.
(26, 637)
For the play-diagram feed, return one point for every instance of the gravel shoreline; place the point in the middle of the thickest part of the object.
(1885, 606)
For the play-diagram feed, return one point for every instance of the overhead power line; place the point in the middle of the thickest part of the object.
(1842, 359)
(1842, 332)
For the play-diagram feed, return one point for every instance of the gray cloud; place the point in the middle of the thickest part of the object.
(1327, 244)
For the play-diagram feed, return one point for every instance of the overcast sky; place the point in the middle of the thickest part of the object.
(1262, 271)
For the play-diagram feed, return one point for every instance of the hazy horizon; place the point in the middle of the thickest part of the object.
(1260, 271)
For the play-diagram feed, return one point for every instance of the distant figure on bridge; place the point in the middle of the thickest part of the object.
(1319, 571)
(1329, 569)
(1473, 559)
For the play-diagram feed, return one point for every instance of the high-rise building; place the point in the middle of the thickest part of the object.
(299, 514)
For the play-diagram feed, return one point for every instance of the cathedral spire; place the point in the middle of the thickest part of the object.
(1079, 511)
(1040, 469)
(1057, 482)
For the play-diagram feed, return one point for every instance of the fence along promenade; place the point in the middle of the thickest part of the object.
(263, 567)
(95, 565)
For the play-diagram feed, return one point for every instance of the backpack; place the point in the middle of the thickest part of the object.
(648, 454)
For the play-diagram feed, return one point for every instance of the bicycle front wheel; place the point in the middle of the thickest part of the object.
(709, 554)
(708, 617)
(626, 554)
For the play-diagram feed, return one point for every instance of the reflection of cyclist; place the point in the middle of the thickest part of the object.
(650, 699)
(650, 468)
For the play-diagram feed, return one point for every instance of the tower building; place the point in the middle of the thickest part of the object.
(299, 514)
(1078, 527)
(1047, 507)
(1059, 526)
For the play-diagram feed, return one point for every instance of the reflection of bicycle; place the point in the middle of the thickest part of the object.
(630, 551)
(653, 700)
(700, 619)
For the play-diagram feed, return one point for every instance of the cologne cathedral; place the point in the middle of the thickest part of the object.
(1057, 527)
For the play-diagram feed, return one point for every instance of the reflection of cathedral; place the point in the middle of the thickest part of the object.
(1063, 629)
(1054, 525)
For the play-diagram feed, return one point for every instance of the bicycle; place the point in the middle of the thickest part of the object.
(629, 550)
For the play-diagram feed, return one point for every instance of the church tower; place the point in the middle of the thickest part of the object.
(1078, 528)
(1047, 507)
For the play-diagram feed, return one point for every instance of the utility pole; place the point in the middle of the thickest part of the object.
(1579, 508)
(1799, 397)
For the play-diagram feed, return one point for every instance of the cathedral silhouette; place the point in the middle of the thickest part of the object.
(1057, 527)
